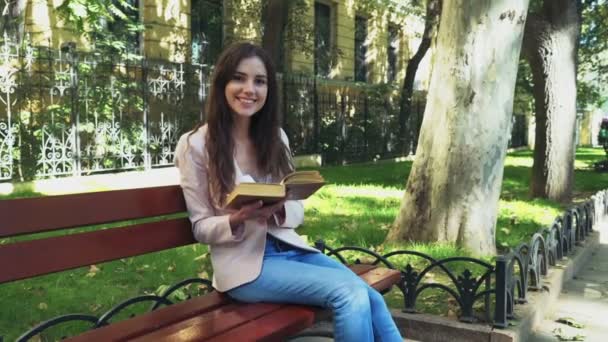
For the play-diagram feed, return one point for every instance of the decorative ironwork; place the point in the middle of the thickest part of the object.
(92, 112)
(164, 143)
(7, 141)
(8, 55)
(106, 317)
(504, 284)
(169, 82)
(57, 151)
(466, 289)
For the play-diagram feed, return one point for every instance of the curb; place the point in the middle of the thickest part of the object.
(430, 328)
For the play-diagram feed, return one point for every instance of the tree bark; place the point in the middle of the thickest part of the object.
(453, 189)
(11, 20)
(275, 21)
(550, 46)
(433, 11)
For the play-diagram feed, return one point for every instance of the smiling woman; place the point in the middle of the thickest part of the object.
(256, 254)
(246, 92)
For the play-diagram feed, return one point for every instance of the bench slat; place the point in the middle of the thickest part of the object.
(293, 318)
(285, 319)
(149, 322)
(75, 210)
(201, 327)
(37, 257)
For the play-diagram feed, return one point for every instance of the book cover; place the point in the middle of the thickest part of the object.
(298, 185)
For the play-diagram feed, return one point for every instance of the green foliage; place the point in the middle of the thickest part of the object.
(523, 101)
(108, 24)
(593, 53)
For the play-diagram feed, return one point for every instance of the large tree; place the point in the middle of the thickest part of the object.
(550, 47)
(406, 122)
(453, 189)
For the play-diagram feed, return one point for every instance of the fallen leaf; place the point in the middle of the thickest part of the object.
(562, 336)
(200, 257)
(43, 306)
(93, 270)
(571, 322)
(94, 307)
(171, 268)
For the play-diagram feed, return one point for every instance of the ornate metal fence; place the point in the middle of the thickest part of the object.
(64, 112)
(343, 121)
(497, 287)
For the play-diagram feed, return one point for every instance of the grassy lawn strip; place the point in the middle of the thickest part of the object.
(357, 208)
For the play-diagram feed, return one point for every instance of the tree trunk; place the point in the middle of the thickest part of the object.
(11, 20)
(275, 20)
(550, 46)
(453, 189)
(433, 10)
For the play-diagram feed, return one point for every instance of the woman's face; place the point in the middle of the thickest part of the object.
(247, 89)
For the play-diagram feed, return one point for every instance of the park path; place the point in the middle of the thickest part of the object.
(584, 299)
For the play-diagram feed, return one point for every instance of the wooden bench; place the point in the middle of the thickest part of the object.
(212, 317)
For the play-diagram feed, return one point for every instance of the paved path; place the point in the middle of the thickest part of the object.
(585, 299)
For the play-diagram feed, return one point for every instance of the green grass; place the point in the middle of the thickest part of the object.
(356, 208)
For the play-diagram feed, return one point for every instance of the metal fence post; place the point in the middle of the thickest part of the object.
(316, 127)
(146, 110)
(69, 49)
(365, 119)
(500, 308)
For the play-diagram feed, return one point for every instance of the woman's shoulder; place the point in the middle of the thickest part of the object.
(192, 141)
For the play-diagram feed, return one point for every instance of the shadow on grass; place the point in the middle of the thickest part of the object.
(389, 174)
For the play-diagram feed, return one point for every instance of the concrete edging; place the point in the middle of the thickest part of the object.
(430, 328)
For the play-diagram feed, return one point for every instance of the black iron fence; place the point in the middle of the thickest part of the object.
(68, 112)
(345, 121)
(64, 112)
(482, 291)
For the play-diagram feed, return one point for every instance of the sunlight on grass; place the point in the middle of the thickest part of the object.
(101, 182)
(6, 188)
(356, 208)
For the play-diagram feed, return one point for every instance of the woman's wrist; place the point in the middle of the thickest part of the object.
(234, 221)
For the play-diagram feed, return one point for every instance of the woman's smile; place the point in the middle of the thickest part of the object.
(247, 90)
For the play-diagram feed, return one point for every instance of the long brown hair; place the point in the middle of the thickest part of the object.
(272, 154)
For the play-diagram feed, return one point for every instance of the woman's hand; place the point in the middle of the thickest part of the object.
(254, 211)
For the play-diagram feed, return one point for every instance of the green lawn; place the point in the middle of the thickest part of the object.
(357, 208)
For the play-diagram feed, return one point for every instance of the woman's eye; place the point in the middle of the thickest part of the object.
(260, 81)
(237, 77)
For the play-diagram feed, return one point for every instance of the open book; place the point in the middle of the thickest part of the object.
(295, 186)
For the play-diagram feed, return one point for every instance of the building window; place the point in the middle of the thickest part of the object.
(127, 32)
(360, 49)
(322, 39)
(206, 27)
(392, 50)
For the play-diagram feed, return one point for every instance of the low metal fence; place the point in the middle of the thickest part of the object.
(483, 291)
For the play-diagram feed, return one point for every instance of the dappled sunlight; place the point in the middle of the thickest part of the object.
(524, 161)
(104, 182)
(366, 191)
(6, 188)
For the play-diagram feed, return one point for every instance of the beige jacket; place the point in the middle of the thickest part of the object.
(236, 259)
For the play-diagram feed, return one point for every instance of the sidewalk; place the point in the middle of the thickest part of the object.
(584, 299)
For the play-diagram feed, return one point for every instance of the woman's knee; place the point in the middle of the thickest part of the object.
(376, 299)
(352, 295)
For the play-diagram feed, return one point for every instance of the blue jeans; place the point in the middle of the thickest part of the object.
(301, 277)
